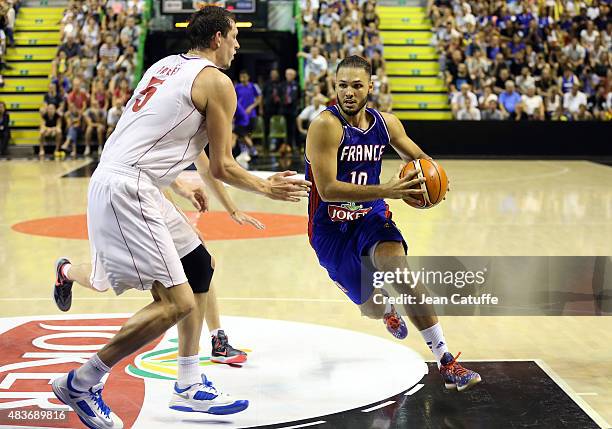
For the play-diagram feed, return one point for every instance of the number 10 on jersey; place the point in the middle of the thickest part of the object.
(359, 178)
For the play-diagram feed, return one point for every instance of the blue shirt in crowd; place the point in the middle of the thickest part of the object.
(246, 95)
(509, 100)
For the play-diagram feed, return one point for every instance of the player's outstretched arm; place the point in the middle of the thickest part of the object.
(322, 143)
(405, 147)
(213, 94)
(202, 163)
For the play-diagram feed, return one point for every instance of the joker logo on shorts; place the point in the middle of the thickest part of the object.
(346, 212)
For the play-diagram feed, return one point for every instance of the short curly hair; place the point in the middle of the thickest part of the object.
(355, 62)
(205, 23)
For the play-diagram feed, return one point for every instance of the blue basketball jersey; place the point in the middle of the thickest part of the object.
(359, 161)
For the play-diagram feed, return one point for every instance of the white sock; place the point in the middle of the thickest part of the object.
(89, 374)
(214, 332)
(65, 268)
(388, 306)
(434, 337)
(188, 371)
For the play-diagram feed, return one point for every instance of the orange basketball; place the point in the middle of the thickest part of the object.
(435, 186)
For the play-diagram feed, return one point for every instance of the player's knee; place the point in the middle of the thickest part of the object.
(387, 253)
(184, 308)
(199, 269)
(180, 309)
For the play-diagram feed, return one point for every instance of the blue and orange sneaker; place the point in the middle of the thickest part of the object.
(455, 376)
(395, 324)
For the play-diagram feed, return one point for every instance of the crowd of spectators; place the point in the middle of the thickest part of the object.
(526, 59)
(332, 30)
(92, 75)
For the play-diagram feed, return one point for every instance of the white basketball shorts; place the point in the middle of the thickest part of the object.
(136, 235)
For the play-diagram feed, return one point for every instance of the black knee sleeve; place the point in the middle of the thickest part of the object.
(198, 269)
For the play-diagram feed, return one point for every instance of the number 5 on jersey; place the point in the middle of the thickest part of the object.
(148, 93)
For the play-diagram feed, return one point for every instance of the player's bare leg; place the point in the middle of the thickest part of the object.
(65, 275)
(81, 389)
(189, 343)
(222, 351)
(213, 320)
(193, 392)
(173, 304)
(81, 274)
(190, 378)
(206, 305)
(389, 256)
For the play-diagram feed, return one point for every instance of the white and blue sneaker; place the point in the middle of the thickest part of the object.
(205, 398)
(89, 405)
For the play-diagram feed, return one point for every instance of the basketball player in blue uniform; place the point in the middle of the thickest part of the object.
(349, 221)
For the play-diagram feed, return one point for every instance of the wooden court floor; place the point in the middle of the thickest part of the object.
(495, 208)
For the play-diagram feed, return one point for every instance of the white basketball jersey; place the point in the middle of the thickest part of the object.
(161, 132)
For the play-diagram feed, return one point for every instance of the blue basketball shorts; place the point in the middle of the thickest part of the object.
(344, 252)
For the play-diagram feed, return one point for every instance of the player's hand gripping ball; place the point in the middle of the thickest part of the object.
(435, 185)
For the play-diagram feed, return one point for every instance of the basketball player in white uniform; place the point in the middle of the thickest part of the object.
(182, 103)
(67, 272)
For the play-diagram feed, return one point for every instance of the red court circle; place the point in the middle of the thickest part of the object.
(213, 225)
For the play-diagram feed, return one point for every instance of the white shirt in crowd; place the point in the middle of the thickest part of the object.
(532, 103)
(572, 103)
(592, 12)
(326, 20)
(314, 4)
(482, 101)
(459, 99)
(310, 112)
(574, 53)
(473, 114)
(316, 65)
(10, 18)
(113, 116)
(553, 103)
(524, 82)
(588, 40)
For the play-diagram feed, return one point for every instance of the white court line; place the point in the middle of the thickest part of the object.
(570, 392)
(414, 390)
(517, 178)
(384, 404)
(78, 328)
(148, 298)
(305, 425)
